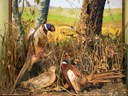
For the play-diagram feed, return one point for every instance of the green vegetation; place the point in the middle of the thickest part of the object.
(113, 15)
(60, 18)
(65, 16)
(59, 9)
(113, 18)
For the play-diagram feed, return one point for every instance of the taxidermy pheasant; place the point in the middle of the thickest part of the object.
(79, 81)
(43, 80)
(37, 41)
(72, 76)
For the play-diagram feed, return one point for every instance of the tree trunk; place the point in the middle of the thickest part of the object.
(91, 17)
(42, 12)
(17, 15)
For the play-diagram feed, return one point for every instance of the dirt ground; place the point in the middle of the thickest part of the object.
(106, 90)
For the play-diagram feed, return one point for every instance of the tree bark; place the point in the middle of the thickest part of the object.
(17, 15)
(42, 12)
(91, 16)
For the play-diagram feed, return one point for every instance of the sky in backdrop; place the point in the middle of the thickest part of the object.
(78, 3)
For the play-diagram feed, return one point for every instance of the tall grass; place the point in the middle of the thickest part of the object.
(13, 59)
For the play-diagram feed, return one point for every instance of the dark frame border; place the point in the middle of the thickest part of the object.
(123, 21)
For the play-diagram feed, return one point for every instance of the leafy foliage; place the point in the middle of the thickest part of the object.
(20, 1)
(37, 1)
(27, 3)
(59, 10)
(71, 12)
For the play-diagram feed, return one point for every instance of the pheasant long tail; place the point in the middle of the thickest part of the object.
(22, 72)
